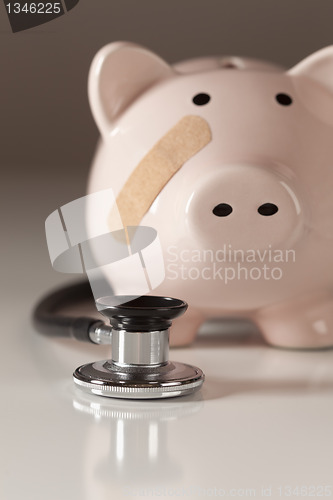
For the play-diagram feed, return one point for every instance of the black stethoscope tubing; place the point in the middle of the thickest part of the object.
(51, 322)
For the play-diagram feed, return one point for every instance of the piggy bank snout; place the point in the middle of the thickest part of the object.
(224, 209)
(245, 207)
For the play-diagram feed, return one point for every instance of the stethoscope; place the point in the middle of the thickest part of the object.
(139, 323)
(138, 332)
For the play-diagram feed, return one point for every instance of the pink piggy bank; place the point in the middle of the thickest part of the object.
(231, 160)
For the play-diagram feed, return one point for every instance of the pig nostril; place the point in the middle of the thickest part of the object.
(222, 210)
(268, 209)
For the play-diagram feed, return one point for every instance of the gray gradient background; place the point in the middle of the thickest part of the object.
(47, 133)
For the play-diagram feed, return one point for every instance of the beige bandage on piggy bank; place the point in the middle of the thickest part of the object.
(155, 170)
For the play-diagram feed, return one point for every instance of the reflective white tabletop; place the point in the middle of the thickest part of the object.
(260, 426)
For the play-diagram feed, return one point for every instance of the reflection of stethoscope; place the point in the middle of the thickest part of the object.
(139, 323)
(130, 442)
(139, 336)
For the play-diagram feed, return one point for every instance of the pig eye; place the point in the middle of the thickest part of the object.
(201, 99)
(284, 99)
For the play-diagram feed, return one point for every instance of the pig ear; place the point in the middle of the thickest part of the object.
(317, 67)
(313, 81)
(119, 73)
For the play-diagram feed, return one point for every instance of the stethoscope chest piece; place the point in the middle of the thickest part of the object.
(139, 367)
